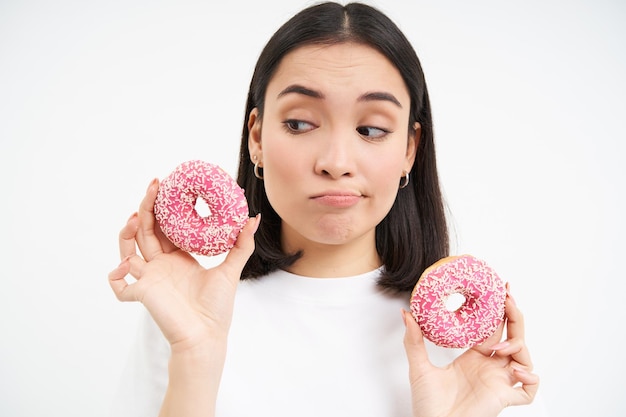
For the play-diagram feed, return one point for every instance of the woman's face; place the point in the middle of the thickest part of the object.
(333, 144)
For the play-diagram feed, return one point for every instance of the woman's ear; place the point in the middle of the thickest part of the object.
(254, 133)
(412, 145)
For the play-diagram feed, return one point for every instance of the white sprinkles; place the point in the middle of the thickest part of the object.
(175, 210)
(478, 317)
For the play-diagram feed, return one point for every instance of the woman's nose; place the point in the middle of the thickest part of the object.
(337, 155)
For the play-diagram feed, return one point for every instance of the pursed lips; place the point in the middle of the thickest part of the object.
(337, 199)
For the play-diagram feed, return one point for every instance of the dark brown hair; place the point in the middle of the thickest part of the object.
(414, 233)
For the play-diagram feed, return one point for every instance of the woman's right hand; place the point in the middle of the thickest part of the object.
(192, 305)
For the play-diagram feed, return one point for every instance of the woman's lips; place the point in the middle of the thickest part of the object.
(337, 200)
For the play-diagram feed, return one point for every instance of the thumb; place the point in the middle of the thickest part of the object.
(414, 345)
(242, 250)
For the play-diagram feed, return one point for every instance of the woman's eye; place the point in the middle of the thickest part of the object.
(371, 132)
(298, 126)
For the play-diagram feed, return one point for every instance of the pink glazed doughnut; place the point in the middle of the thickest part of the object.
(175, 208)
(481, 302)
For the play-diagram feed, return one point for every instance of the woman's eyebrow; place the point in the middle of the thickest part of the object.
(369, 96)
(380, 95)
(299, 89)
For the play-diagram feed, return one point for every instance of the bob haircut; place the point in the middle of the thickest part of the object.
(414, 233)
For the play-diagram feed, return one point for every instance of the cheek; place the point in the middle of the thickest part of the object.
(387, 189)
(385, 181)
(281, 159)
(282, 171)
(386, 168)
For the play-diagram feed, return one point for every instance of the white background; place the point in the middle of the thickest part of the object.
(99, 97)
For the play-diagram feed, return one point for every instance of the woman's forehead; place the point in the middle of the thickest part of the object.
(343, 66)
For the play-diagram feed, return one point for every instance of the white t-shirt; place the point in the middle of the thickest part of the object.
(299, 346)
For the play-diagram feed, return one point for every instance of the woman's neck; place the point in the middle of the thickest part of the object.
(331, 261)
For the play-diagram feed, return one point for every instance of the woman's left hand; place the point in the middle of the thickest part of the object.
(481, 382)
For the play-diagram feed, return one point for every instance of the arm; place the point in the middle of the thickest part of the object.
(193, 382)
(191, 305)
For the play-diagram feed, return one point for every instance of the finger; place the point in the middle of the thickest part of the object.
(118, 283)
(147, 240)
(525, 392)
(515, 319)
(516, 350)
(414, 346)
(242, 250)
(515, 335)
(127, 242)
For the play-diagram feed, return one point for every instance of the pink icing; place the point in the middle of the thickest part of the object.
(175, 211)
(478, 317)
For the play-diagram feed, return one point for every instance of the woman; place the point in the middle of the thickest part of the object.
(337, 156)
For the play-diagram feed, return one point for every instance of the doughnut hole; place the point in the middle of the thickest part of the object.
(202, 207)
(455, 301)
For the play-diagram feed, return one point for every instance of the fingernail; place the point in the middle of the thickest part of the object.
(124, 260)
(508, 294)
(500, 346)
(519, 370)
(152, 183)
(132, 216)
